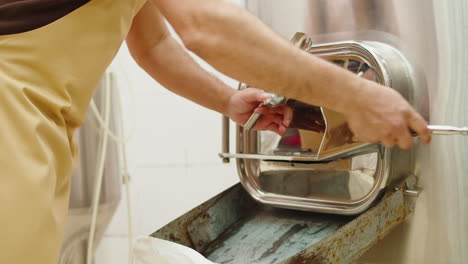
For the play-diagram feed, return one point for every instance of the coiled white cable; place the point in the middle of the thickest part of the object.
(126, 181)
(107, 133)
(100, 172)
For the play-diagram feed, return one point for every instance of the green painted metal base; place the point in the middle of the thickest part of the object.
(232, 228)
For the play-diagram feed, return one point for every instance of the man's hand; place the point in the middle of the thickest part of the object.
(384, 115)
(244, 103)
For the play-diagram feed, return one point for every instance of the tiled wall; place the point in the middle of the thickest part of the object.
(172, 157)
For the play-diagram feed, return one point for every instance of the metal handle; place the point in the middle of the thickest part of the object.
(252, 121)
(448, 130)
(300, 40)
(225, 138)
(273, 101)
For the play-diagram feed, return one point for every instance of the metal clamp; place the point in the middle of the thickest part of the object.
(409, 186)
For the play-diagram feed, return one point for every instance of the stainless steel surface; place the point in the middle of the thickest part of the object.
(292, 157)
(232, 228)
(432, 36)
(328, 170)
(343, 186)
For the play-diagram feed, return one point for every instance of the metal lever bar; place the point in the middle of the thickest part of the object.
(252, 120)
(225, 138)
(311, 157)
(435, 130)
(448, 130)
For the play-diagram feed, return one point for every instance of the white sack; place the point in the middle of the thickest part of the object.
(149, 250)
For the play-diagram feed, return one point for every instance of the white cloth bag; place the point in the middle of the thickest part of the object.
(149, 250)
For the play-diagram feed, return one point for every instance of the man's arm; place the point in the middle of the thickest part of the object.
(239, 45)
(154, 49)
(152, 46)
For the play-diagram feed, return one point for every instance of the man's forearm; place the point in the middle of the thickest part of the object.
(173, 67)
(239, 45)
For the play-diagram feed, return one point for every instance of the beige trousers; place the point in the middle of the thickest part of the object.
(47, 77)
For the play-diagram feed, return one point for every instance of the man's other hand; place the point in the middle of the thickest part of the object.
(382, 114)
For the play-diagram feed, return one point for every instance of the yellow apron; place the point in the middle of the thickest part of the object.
(47, 77)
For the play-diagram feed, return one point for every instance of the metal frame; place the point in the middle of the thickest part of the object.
(392, 70)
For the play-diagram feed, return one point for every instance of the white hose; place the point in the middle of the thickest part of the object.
(126, 181)
(100, 172)
(105, 131)
(122, 139)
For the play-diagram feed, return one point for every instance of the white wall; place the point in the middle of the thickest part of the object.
(172, 157)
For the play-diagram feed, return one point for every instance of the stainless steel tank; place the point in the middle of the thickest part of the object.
(432, 35)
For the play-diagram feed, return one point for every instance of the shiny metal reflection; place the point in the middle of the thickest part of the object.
(448, 130)
(343, 186)
(319, 165)
(346, 184)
